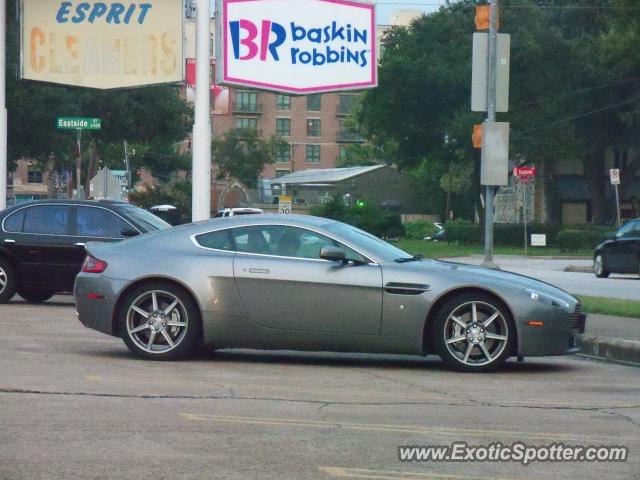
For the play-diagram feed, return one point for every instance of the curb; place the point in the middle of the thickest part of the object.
(575, 268)
(610, 349)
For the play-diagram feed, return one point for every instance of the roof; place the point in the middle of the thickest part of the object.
(325, 175)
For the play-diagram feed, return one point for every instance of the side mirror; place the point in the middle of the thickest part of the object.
(129, 232)
(333, 254)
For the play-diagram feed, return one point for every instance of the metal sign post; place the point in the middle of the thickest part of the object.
(526, 175)
(3, 107)
(614, 174)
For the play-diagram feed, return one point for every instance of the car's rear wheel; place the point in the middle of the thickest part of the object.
(474, 332)
(7, 281)
(160, 321)
(598, 267)
(35, 295)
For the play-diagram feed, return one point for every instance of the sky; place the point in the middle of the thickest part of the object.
(385, 7)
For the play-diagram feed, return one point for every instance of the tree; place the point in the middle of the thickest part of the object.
(242, 154)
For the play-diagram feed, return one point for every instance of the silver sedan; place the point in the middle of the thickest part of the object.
(306, 283)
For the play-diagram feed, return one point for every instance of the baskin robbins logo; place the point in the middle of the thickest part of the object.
(299, 46)
(269, 38)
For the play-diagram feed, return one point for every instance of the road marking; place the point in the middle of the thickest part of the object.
(366, 473)
(421, 430)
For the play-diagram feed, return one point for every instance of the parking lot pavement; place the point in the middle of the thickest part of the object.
(75, 404)
(551, 270)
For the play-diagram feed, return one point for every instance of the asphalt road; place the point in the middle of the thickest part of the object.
(551, 270)
(75, 405)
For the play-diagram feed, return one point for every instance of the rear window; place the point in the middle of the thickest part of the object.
(13, 223)
(147, 220)
(47, 220)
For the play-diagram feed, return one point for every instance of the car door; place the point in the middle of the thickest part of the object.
(284, 284)
(95, 224)
(622, 256)
(42, 249)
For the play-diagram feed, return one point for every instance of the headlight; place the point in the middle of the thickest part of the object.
(545, 299)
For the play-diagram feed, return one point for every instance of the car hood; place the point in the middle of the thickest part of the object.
(465, 274)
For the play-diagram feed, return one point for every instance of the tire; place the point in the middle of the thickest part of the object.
(160, 333)
(462, 340)
(598, 267)
(7, 281)
(35, 295)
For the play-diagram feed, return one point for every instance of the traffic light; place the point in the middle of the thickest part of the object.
(361, 204)
(483, 17)
(476, 137)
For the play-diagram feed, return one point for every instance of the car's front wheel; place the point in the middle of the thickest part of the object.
(598, 267)
(7, 281)
(160, 321)
(34, 295)
(474, 332)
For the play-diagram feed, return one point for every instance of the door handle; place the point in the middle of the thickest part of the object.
(8, 240)
(259, 270)
(79, 244)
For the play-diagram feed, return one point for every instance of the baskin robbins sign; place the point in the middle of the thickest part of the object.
(297, 46)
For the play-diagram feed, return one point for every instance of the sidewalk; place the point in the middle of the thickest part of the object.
(615, 339)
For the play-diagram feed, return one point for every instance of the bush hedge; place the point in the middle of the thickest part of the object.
(419, 229)
(574, 237)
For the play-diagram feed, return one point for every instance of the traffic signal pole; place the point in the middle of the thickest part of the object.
(491, 117)
(201, 145)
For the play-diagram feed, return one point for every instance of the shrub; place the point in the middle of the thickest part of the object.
(419, 229)
(576, 239)
(462, 231)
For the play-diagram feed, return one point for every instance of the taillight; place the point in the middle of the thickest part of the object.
(93, 265)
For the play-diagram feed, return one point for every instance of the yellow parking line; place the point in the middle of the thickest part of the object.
(365, 473)
(421, 430)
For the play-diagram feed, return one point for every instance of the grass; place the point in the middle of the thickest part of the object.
(443, 249)
(610, 306)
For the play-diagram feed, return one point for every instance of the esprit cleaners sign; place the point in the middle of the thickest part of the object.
(297, 46)
(102, 44)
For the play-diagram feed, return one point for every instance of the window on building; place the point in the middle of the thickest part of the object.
(314, 127)
(282, 172)
(314, 103)
(246, 101)
(34, 175)
(283, 127)
(346, 103)
(246, 123)
(313, 153)
(283, 155)
(283, 102)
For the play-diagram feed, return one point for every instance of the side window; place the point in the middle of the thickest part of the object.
(98, 222)
(252, 240)
(47, 219)
(13, 223)
(220, 240)
(311, 243)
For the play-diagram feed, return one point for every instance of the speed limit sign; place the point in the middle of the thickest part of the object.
(284, 204)
(614, 174)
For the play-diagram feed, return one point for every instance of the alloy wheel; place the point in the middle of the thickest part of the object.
(597, 265)
(157, 321)
(3, 279)
(476, 333)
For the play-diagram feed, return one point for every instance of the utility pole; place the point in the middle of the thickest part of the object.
(491, 117)
(201, 163)
(79, 163)
(3, 105)
(127, 152)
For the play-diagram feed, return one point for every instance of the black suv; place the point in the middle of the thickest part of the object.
(42, 242)
(620, 254)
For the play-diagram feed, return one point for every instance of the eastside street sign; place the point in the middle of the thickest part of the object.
(78, 123)
(301, 46)
(614, 174)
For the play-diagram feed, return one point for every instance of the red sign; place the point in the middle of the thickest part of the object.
(219, 94)
(524, 173)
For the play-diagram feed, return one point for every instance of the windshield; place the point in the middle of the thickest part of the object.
(147, 220)
(360, 239)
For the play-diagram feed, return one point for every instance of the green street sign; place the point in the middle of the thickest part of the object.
(78, 123)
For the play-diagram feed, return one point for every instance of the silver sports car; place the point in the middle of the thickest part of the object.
(306, 283)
